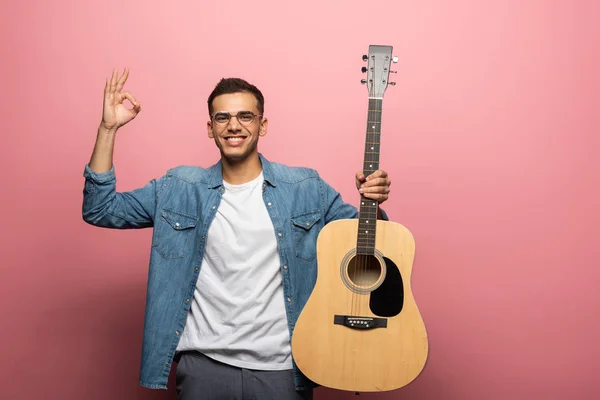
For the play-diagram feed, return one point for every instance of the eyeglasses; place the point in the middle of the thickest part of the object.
(244, 117)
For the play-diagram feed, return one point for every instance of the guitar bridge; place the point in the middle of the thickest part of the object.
(361, 323)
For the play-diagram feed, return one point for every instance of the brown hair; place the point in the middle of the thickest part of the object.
(236, 85)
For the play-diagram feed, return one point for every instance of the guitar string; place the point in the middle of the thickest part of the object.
(364, 258)
(360, 262)
(355, 304)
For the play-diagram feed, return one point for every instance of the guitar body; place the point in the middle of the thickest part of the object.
(361, 329)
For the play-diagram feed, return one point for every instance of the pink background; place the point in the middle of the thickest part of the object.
(490, 137)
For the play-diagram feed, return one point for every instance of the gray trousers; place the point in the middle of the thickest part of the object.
(201, 378)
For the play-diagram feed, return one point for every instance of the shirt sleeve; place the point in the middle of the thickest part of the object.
(103, 206)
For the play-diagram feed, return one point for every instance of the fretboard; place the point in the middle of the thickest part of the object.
(368, 208)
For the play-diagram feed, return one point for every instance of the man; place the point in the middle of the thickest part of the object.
(233, 256)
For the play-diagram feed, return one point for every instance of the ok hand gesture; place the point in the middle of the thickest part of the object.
(115, 113)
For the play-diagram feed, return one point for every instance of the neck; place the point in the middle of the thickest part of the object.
(238, 172)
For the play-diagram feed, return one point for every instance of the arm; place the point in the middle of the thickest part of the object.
(102, 205)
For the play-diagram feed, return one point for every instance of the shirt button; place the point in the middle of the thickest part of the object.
(177, 224)
(214, 207)
(279, 234)
(289, 300)
(269, 203)
(177, 333)
(187, 300)
(196, 269)
(167, 364)
(285, 267)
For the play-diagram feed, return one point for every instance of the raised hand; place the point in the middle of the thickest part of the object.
(115, 113)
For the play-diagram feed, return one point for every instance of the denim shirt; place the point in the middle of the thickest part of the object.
(180, 206)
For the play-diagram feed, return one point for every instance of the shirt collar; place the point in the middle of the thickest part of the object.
(215, 172)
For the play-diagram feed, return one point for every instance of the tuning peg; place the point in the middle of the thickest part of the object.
(364, 69)
(395, 59)
(393, 72)
(365, 57)
(363, 81)
(392, 83)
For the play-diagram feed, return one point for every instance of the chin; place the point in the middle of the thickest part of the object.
(234, 158)
(238, 156)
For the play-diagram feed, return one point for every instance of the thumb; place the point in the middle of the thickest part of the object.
(359, 178)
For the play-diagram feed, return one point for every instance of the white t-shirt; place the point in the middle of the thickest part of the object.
(238, 313)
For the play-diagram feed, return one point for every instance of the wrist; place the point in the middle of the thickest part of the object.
(104, 130)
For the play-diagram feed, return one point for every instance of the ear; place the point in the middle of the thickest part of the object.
(263, 127)
(209, 129)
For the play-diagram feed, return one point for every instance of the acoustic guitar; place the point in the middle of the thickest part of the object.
(361, 330)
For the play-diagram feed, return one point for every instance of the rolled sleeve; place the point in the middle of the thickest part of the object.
(103, 206)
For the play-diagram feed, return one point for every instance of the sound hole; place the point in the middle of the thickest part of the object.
(364, 270)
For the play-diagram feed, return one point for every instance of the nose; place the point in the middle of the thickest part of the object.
(233, 125)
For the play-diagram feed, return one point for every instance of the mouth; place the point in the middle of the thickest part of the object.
(235, 140)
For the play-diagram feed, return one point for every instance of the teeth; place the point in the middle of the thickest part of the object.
(235, 139)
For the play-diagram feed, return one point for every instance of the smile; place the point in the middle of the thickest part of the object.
(235, 140)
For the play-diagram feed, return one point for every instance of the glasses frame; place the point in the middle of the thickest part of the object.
(212, 118)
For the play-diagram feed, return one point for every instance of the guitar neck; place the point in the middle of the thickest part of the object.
(368, 207)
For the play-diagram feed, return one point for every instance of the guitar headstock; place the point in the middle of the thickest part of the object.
(378, 70)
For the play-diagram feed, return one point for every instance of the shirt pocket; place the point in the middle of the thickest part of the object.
(175, 234)
(305, 230)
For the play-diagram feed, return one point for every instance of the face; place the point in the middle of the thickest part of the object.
(236, 140)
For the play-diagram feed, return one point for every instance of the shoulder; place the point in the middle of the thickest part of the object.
(189, 173)
(292, 174)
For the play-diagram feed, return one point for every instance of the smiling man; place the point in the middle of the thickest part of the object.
(233, 257)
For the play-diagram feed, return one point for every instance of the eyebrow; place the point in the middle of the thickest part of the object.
(228, 112)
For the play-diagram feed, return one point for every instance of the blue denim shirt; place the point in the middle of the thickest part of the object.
(180, 206)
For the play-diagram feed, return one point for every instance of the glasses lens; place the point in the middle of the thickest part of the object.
(245, 117)
(221, 118)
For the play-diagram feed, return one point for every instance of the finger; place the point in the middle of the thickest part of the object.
(377, 174)
(130, 97)
(360, 176)
(374, 189)
(122, 80)
(106, 86)
(136, 109)
(376, 182)
(380, 197)
(113, 80)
